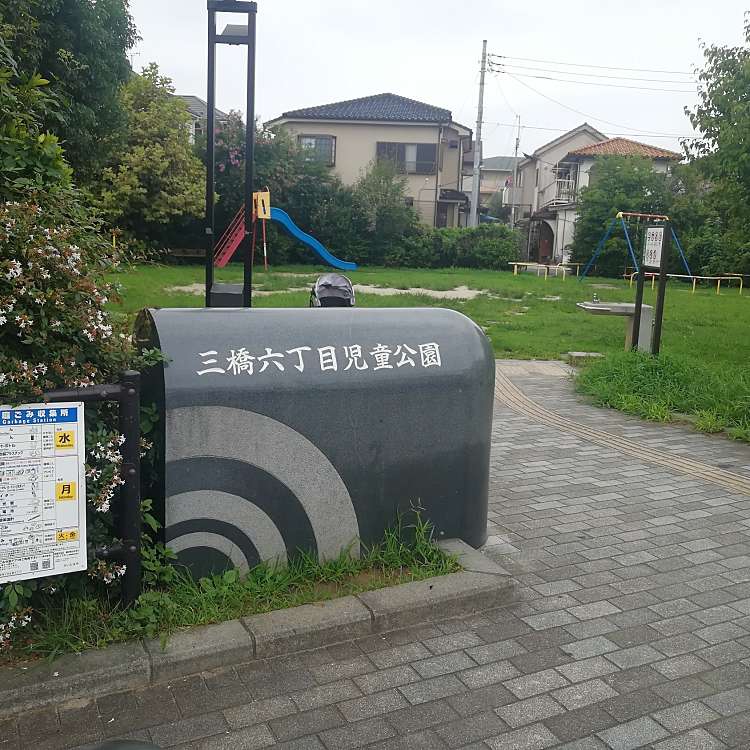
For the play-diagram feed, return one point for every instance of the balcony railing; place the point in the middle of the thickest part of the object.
(563, 191)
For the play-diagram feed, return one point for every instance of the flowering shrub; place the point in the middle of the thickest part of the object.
(55, 332)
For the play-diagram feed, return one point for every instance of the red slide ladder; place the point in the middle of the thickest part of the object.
(230, 240)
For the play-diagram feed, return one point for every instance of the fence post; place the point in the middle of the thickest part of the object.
(128, 516)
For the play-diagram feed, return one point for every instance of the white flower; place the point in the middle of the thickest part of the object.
(15, 270)
(3, 320)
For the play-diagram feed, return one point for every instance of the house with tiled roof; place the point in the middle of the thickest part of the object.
(198, 110)
(422, 139)
(550, 181)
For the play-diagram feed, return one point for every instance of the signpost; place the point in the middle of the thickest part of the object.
(42, 490)
(658, 237)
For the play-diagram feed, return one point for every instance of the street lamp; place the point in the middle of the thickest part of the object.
(237, 35)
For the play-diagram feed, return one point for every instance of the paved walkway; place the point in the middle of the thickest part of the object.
(630, 626)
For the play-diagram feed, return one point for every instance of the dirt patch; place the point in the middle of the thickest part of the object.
(603, 286)
(460, 292)
(200, 289)
(551, 299)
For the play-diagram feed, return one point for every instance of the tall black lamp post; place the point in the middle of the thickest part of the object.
(232, 34)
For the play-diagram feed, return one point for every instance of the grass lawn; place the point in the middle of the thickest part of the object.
(524, 316)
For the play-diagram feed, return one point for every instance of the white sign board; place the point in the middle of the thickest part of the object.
(42, 491)
(652, 247)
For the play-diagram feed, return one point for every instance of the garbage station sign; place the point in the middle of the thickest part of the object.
(42, 491)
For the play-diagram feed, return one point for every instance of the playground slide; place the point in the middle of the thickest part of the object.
(283, 218)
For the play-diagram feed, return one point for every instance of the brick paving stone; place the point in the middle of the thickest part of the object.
(432, 689)
(586, 669)
(633, 734)
(637, 656)
(189, 729)
(488, 674)
(425, 740)
(374, 682)
(594, 610)
(584, 694)
(682, 690)
(341, 669)
(357, 735)
(392, 657)
(496, 651)
(421, 716)
(452, 642)
(685, 716)
(250, 738)
(730, 701)
(528, 711)
(478, 727)
(695, 739)
(634, 704)
(480, 699)
(324, 695)
(733, 730)
(258, 712)
(454, 661)
(306, 722)
(533, 684)
(579, 723)
(595, 646)
(681, 666)
(536, 737)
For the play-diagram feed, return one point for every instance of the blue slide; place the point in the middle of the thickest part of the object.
(277, 214)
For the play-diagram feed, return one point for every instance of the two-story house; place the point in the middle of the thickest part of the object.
(198, 110)
(423, 140)
(496, 177)
(550, 180)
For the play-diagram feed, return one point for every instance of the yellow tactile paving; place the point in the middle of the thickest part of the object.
(507, 393)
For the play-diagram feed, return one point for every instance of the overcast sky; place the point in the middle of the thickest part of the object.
(318, 52)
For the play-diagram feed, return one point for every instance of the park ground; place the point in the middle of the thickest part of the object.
(525, 316)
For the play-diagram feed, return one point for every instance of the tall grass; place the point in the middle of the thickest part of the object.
(65, 624)
(716, 395)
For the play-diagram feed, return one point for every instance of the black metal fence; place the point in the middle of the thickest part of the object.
(127, 510)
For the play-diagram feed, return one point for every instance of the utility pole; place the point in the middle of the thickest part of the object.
(476, 174)
(513, 187)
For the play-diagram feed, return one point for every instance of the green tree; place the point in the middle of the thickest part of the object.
(157, 181)
(618, 183)
(29, 157)
(380, 195)
(722, 116)
(81, 47)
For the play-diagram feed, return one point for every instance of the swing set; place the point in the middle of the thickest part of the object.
(621, 216)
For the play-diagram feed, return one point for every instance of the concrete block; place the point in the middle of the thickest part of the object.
(435, 598)
(200, 649)
(85, 675)
(309, 626)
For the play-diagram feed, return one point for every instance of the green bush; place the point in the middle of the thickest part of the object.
(486, 246)
(55, 332)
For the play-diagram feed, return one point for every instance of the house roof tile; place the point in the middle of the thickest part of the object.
(625, 147)
(380, 107)
(500, 163)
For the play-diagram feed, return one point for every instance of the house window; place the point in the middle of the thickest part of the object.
(409, 201)
(320, 148)
(410, 158)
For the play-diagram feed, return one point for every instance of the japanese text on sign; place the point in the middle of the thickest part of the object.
(42, 491)
(241, 361)
(652, 247)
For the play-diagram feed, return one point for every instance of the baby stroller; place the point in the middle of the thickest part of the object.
(332, 290)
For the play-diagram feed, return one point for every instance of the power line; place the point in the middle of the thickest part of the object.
(643, 134)
(587, 65)
(591, 75)
(635, 131)
(595, 83)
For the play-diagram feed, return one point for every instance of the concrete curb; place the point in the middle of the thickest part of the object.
(481, 584)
